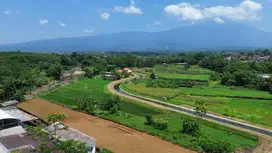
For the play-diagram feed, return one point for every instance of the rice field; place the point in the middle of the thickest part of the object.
(133, 115)
(238, 102)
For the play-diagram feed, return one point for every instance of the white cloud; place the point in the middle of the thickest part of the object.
(246, 10)
(184, 10)
(105, 16)
(219, 20)
(157, 23)
(88, 30)
(7, 12)
(43, 21)
(63, 24)
(131, 9)
(251, 5)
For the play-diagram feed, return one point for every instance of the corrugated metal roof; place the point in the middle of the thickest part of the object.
(5, 115)
(9, 103)
(21, 115)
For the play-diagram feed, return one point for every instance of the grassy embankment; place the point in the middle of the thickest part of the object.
(133, 115)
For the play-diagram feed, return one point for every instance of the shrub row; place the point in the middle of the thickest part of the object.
(156, 125)
(171, 83)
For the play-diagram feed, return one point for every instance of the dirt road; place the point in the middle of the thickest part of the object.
(113, 136)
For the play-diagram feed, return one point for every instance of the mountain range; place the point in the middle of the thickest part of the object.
(205, 36)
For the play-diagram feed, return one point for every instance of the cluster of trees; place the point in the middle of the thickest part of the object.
(157, 125)
(170, 83)
(111, 104)
(23, 72)
(238, 73)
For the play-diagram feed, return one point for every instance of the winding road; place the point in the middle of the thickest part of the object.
(115, 89)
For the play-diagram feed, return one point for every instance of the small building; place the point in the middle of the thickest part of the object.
(69, 133)
(264, 76)
(128, 70)
(11, 116)
(119, 71)
(9, 103)
(109, 76)
(20, 141)
(181, 63)
(7, 121)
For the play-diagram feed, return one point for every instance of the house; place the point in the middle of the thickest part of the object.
(12, 133)
(128, 70)
(69, 133)
(109, 76)
(119, 71)
(7, 121)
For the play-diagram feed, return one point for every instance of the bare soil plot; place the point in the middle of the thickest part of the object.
(113, 136)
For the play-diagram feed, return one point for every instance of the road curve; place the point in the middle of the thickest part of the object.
(114, 88)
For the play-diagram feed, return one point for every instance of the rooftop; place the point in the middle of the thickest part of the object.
(12, 131)
(9, 103)
(15, 113)
(5, 115)
(23, 141)
(70, 133)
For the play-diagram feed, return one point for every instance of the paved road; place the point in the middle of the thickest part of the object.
(238, 125)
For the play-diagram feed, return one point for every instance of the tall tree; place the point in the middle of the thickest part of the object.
(200, 108)
(54, 119)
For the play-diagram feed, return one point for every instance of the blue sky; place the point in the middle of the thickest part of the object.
(25, 20)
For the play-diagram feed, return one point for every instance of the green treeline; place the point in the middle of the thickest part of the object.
(23, 72)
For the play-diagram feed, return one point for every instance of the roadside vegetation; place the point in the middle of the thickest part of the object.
(165, 124)
(237, 102)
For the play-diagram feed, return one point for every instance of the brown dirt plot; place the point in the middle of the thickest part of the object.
(113, 136)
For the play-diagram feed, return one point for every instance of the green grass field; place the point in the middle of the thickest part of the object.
(88, 88)
(133, 115)
(252, 110)
(179, 72)
(182, 76)
(140, 87)
(179, 69)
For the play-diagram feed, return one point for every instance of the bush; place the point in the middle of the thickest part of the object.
(87, 105)
(153, 76)
(156, 125)
(170, 83)
(149, 120)
(209, 145)
(190, 127)
(112, 104)
(19, 96)
(160, 126)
